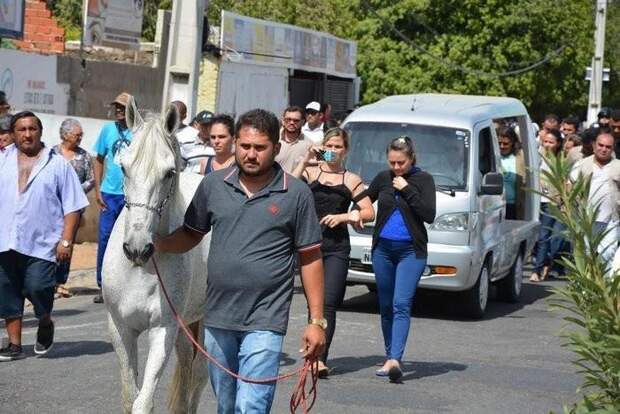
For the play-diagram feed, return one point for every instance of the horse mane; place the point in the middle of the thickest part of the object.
(150, 144)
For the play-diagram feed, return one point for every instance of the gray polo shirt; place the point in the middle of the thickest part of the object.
(253, 244)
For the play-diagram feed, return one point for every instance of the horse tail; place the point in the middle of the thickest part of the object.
(181, 386)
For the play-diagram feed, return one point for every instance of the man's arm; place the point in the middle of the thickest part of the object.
(71, 222)
(313, 339)
(98, 177)
(181, 240)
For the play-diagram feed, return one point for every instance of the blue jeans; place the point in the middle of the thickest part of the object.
(107, 218)
(550, 239)
(397, 271)
(253, 354)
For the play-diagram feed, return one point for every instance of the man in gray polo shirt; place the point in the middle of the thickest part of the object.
(260, 217)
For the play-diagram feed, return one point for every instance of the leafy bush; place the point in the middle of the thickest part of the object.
(591, 297)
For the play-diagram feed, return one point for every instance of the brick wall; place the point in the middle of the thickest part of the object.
(42, 34)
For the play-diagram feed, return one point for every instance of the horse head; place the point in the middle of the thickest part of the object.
(150, 167)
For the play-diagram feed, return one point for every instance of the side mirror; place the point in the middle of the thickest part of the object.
(492, 184)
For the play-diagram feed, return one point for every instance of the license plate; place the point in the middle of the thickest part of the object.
(367, 256)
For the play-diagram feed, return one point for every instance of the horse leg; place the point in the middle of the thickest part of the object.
(161, 340)
(200, 375)
(125, 344)
(181, 381)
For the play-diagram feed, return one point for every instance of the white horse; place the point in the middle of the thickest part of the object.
(157, 197)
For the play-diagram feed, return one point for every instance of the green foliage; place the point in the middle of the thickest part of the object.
(591, 298)
(611, 89)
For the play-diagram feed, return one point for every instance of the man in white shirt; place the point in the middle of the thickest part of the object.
(194, 141)
(313, 128)
(603, 171)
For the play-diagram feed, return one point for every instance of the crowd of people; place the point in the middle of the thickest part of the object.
(594, 153)
(252, 162)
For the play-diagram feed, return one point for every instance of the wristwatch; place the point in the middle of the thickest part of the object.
(322, 322)
(66, 243)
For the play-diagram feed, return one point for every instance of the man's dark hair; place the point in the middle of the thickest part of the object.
(553, 117)
(615, 114)
(510, 133)
(225, 120)
(3, 100)
(295, 108)
(25, 114)
(263, 121)
(571, 120)
(324, 107)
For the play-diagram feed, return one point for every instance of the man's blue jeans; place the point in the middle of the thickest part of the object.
(397, 271)
(253, 354)
(107, 218)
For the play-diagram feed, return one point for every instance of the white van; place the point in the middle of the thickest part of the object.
(471, 244)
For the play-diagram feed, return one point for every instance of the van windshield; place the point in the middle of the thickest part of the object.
(440, 151)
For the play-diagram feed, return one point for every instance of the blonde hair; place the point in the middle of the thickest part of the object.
(337, 132)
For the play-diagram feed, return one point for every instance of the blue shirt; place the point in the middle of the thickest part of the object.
(111, 143)
(32, 221)
(509, 171)
(395, 227)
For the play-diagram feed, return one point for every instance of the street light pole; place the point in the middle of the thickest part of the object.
(184, 53)
(596, 83)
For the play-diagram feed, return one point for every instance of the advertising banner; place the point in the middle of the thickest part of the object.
(12, 18)
(114, 23)
(29, 82)
(260, 42)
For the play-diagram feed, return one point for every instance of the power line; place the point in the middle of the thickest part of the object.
(462, 68)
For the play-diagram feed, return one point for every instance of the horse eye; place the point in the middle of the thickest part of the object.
(171, 172)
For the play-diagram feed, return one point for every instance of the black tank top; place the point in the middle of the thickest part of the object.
(332, 199)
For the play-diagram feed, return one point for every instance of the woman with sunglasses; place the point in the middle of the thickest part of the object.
(334, 188)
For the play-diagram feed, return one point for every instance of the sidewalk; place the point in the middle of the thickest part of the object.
(82, 279)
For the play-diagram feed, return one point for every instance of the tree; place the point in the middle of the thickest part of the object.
(452, 41)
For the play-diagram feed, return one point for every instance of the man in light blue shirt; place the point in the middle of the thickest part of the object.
(40, 201)
(113, 139)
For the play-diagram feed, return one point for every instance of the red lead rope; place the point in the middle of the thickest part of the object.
(299, 396)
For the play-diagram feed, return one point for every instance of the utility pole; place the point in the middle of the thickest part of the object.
(184, 53)
(596, 83)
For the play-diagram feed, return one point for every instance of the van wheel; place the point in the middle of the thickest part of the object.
(475, 299)
(509, 288)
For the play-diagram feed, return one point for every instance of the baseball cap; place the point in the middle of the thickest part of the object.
(203, 117)
(121, 99)
(604, 113)
(313, 106)
(5, 123)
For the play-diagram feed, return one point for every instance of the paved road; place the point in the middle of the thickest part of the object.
(510, 362)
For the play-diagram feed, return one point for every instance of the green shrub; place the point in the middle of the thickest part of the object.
(591, 298)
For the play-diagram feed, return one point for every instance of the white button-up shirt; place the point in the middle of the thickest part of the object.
(193, 149)
(32, 221)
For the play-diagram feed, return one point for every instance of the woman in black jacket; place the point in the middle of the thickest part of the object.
(406, 197)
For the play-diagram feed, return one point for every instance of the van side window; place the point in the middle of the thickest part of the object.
(486, 156)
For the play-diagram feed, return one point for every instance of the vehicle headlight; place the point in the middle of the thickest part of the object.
(451, 222)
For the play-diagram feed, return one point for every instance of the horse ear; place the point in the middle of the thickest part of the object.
(171, 119)
(132, 116)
